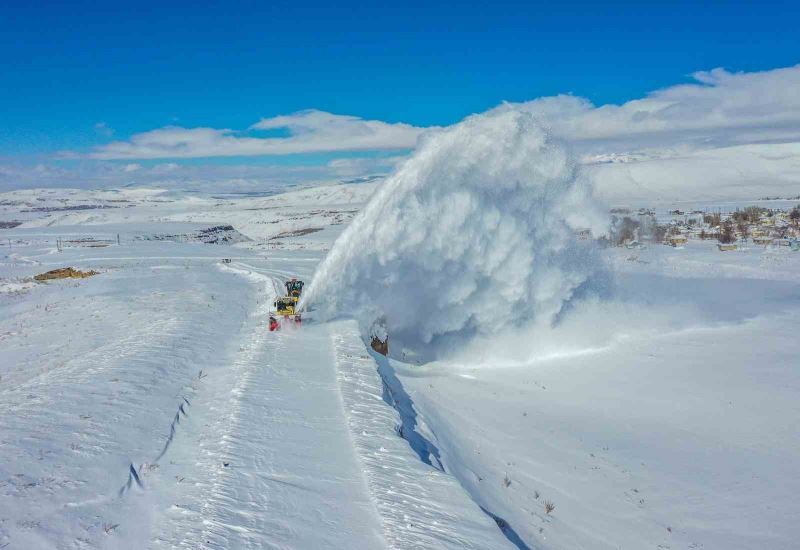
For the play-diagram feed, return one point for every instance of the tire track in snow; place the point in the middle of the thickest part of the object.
(205, 516)
(292, 479)
(72, 431)
(227, 521)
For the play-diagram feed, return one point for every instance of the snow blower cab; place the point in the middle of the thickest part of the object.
(294, 288)
(285, 311)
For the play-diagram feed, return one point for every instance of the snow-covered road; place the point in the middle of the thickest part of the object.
(238, 437)
(275, 465)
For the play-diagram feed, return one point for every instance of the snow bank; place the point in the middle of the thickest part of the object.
(11, 288)
(472, 235)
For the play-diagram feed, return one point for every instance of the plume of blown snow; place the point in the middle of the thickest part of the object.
(472, 235)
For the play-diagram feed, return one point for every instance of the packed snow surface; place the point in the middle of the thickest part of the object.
(664, 418)
(149, 406)
(471, 236)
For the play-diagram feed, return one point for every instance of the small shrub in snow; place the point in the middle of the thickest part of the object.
(657, 233)
(794, 216)
(624, 230)
(727, 235)
(712, 220)
(548, 507)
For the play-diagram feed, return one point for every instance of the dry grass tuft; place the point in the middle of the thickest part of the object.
(64, 273)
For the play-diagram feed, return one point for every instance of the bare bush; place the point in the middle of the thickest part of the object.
(794, 215)
(753, 213)
(713, 220)
(744, 230)
(659, 233)
(727, 235)
(623, 230)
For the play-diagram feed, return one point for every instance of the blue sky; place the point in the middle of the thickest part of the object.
(78, 75)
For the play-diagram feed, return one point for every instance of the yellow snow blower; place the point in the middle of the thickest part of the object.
(286, 306)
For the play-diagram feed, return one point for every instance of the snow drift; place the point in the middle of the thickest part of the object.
(472, 235)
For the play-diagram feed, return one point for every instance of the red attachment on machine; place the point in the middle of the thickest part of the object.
(275, 322)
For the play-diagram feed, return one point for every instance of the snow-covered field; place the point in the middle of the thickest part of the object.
(665, 421)
(149, 407)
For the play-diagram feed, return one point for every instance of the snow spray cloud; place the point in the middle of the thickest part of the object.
(472, 235)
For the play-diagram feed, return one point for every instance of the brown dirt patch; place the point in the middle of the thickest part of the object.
(64, 273)
(296, 233)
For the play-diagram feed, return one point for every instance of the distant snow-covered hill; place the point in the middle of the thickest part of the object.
(296, 213)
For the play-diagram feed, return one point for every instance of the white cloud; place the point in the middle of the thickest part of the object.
(309, 132)
(721, 108)
(729, 135)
